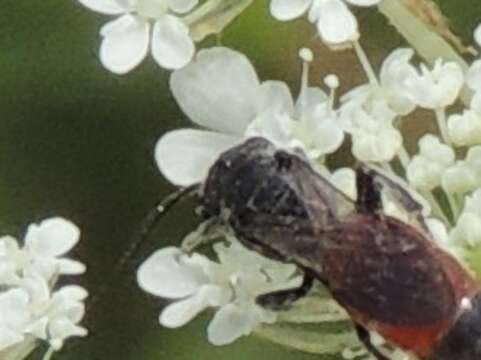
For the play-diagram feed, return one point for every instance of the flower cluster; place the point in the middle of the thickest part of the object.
(230, 285)
(205, 92)
(335, 22)
(31, 308)
(221, 91)
(143, 26)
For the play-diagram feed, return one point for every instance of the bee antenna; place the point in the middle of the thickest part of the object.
(149, 221)
(152, 217)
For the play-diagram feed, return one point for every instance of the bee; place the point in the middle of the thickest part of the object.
(389, 275)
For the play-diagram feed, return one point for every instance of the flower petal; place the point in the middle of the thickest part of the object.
(71, 293)
(289, 9)
(473, 76)
(477, 35)
(228, 324)
(109, 7)
(70, 267)
(125, 43)
(345, 180)
(172, 47)
(276, 96)
(52, 237)
(465, 129)
(62, 328)
(329, 136)
(273, 126)
(185, 156)
(9, 337)
(163, 275)
(182, 6)
(335, 22)
(364, 2)
(181, 312)
(219, 90)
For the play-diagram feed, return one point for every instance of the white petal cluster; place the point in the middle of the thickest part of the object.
(465, 175)
(465, 129)
(221, 92)
(30, 308)
(374, 138)
(144, 26)
(335, 22)
(468, 228)
(438, 87)
(230, 286)
(427, 167)
(391, 91)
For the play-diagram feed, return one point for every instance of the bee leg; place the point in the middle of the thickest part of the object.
(368, 191)
(283, 299)
(205, 232)
(365, 338)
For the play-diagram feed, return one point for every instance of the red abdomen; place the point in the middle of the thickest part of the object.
(393, 279)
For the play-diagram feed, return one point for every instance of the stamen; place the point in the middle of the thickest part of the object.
(48, 354)
(332, 82)
(366, 65)
(306, 56)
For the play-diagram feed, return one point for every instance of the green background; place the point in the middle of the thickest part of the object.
(77, 141)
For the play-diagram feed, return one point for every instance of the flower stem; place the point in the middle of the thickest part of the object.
(404, 157)
(366, 65)
(213, 16)
(454, 205)
(443, 129)
(436, 208)
(48, 354)
(314, 342)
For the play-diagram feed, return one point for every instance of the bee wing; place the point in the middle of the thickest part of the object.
(289, 210)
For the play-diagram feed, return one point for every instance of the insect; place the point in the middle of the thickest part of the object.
(388, 274)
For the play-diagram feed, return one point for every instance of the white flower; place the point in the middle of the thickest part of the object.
(335, 22)
(477, 35)
(473, 76)
(374, 138)
(425, 169)
(42, 254)
(144, 25)
(231, 286)
(436, 88)
(64, 312)
(220, 91)
(27, 277)
(14, 317)
(464, 175)
(31, 310)
(468, 228)
(46, 243)
(10, 260)
(391, 90)
(465, 129)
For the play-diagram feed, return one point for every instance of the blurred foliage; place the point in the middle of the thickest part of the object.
(77, 141)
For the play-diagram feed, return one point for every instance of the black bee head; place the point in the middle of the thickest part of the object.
(235, 172)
